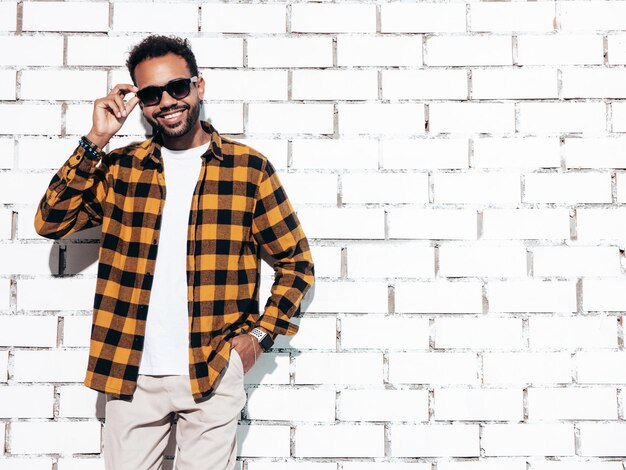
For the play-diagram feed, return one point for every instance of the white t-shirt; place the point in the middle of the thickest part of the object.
(166, 342)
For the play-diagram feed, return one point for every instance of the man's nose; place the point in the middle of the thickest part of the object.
(167, 100)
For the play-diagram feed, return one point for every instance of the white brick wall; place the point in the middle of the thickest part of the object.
(459, 169)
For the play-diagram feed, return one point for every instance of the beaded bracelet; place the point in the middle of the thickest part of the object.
(89, 146)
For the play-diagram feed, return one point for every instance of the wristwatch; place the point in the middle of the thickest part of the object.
(263, 338)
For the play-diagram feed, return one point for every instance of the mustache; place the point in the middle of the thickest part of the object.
(169, 110)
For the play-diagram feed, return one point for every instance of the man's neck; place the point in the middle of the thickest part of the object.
(194, 138)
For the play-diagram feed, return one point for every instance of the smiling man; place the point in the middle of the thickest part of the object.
(185, 215)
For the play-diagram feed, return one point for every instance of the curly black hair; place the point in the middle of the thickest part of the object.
(158, 46)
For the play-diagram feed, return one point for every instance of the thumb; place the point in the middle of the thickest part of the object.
(130, 105)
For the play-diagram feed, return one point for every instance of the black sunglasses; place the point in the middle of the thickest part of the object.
(178, 88)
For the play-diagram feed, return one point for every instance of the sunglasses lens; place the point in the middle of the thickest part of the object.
(149, 96)
(178, 88)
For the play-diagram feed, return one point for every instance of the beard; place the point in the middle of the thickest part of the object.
(182, 128)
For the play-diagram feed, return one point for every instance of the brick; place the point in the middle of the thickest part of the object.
(55, 437)
(575, 261)
(527, 367)
(340, 440)
(561, 49)
(422, 17)
(568, 188)
(381, 118)
(65, 16)
(438, 297)
(8, 16)
(477, 188)
(266, 404)
(7, 84)
(616, 48)
(604, 295)
(290, 118)
(31, 50)
(263, 440)
(593, 82)
(5, 294)
(379, 50)
(425, 154)
(602, 439)
(78, 401)
(453, 224)
(435, 440)
(528, 152)
(7, 150)
(618, 117)
(600, 367)
(385, 188)
(472, 118)
(76, 330)
(523, 224)
(424, 84)
(98, 50)
(482, 261)
(573, 332)
(519, 296)
(478, 333)
(334, 85)
(350, 297)
(315, 333)
(528, 439)
(4, 363)
(384, 332)
(507, 16)
(555, 118)
(385, 466)
(160, 17)
(246, 85)
(22, 330)
(310, 187)
(29, 259)
(408, 259)
(339, 368)
(63, 85)
(329, 154)
(433, 368)
(478, 404)
(597, 152)
(218, 51)
(519, 83)
(50, 366)
(44, 152)
(490, 464)
(273, 369)
(333, 18)
(600, 224)
(25, 401)
(572, 403)
(276, 149)
(243, 18)
(16, 463)
(390, 405)
(343, 223)
(297, 465)
(469, 50)
(574, 465)
(592, 16)
(327, 260)
(30, 119)
(287, 52)
(6, 216)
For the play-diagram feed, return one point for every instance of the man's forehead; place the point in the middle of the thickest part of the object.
(160, 70)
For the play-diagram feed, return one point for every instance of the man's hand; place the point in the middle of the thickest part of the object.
(110, 113)
(248, 348)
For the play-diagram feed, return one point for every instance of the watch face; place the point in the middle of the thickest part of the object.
(266, 342)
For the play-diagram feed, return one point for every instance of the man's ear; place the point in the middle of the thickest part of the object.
(200, 84)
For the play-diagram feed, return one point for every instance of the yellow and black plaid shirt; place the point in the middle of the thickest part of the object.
(238, 206)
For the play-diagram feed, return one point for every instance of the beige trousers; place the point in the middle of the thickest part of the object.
(136, 432)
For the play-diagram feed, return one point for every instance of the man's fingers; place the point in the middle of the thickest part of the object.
(130, 105)
(123, 89)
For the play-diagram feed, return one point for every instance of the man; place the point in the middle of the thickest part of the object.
(184, 216)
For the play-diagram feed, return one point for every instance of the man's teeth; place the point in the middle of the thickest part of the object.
(172, 116)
